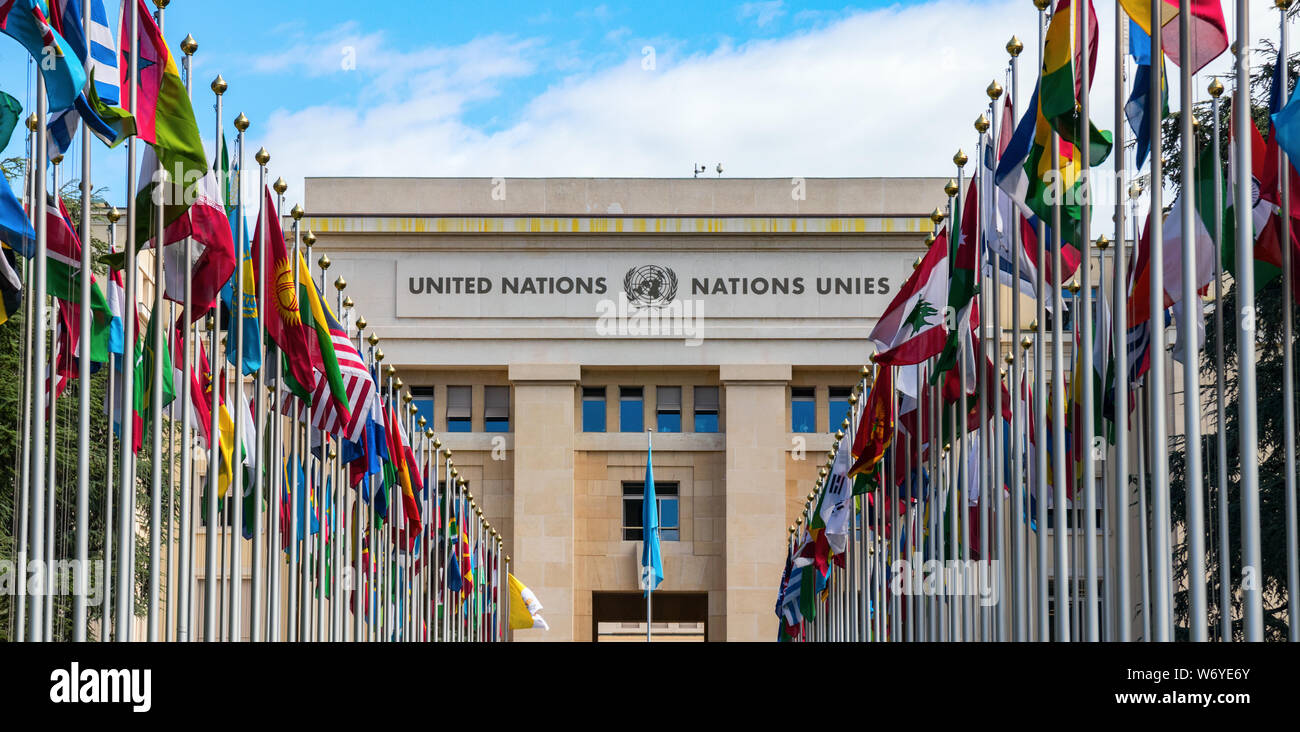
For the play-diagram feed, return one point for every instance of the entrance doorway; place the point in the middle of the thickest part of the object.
(678, 617)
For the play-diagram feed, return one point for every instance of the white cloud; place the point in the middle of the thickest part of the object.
(762, 12)
(887, 92)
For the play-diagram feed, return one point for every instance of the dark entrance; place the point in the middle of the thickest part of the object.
(679, 617)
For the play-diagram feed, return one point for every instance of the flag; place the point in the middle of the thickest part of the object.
(912, 328)
(212, 252)
(1062, 79)
(652, 568)
(26, 22)
(11, 286)
(63, 275)
(144, 366)
(1267, 252)
(963, 284)
(525, 610)
(252, 357)
(164, 119)
(10, 112)
(838, 505)
(98, 54)
(787, 602)
(1178, 245)
(281, 313)
(1209, 32)
(320, 328)
(1139, 103)
(876, 427)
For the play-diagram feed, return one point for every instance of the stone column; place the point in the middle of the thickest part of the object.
(543, 492)
(757, 440)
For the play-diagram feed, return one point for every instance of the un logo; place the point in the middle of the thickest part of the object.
(650, 285)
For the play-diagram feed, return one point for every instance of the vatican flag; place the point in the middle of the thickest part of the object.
(525, 610)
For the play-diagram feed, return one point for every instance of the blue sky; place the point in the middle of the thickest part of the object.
(777, 88)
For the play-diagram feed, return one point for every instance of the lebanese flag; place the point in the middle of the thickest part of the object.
(911, 328)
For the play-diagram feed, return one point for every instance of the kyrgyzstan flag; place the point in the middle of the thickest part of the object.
(279, 299)
(911, 329)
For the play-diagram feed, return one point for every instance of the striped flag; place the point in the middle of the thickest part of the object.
(912, 328)
(99, 55)
(358, 385)
(1209, 31)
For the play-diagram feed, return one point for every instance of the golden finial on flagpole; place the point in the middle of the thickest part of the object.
(994, 90)
(241, 122)
(1216, 88)
(189, 46)
(951, 188)
(296, 212)
(280, 186)
(1102, 242)
(981, 126)
(309, 238)
(32, 122)
(347, 301)
(1042, 4)
(1014, 47)
(937, 215)
(113, 215)
(219, 85)
(960, 159)
(1026, 342)
(341, 284)
(262, 157)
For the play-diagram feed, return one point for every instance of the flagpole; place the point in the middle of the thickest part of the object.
(1252, 604)
(1119, 342)
(182, 632)
(23, 507)
(1086, 369)
(988, 205)
(1221, 435)
(51, 465)
(126, 510)
(1288, 342)
(106, 628)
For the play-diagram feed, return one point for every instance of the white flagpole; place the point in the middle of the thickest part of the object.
(83, 388)
(1288, 349)
(130, 273)
(1252, 605)
(1119, 342)
(1221, 421)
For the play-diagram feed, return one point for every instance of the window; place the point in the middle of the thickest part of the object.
(496, 409)
(593, 409)
(668, 405)
(458, 409)
(839, 407)
(803, 409)
(666, 497)
(422, 398)
(631, 409)
(706, 409)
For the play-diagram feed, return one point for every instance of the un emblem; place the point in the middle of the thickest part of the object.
(650, 285)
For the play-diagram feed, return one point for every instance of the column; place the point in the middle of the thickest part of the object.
(543, 491)
(757, 437)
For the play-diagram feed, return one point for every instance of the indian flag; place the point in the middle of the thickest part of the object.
(912, 328)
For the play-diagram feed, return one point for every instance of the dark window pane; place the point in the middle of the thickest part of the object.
(458, 425)
(670, 421)
(631, 414)
(496, 425)
(706, 422)
(668, 513)
(839, 408)
(593, 414)
(803, 415)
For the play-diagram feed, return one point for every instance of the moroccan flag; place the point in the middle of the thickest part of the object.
(1209, 32)
(164, 119)
(876, 429)
(911, 329)
(281, 313)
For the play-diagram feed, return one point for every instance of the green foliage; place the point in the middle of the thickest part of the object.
(1268, 450)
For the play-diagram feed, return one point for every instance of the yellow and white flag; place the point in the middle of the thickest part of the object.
(525, 609)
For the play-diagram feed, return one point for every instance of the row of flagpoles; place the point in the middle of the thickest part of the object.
(283, 456)
(975, 492)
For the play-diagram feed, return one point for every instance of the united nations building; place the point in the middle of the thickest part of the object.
(547, 329)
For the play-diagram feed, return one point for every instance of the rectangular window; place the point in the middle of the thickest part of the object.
(839, 407)
(803, 409)
(422, 398)
(631, 409)
(706, 409)
(458, 409)
(496, 409)
(593, 409)
(666, 497)
(668, 406)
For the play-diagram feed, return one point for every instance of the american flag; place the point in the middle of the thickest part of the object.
(361, 389)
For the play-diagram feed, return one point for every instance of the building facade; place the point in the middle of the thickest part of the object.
(547, 327)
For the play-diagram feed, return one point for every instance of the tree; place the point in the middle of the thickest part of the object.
(1269, 408)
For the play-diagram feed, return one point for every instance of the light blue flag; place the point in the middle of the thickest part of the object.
(252, 326)
(652, 566)
(27, 21)
(1287, 124)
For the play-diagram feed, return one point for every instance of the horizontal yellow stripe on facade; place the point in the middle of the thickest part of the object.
(617, 225)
